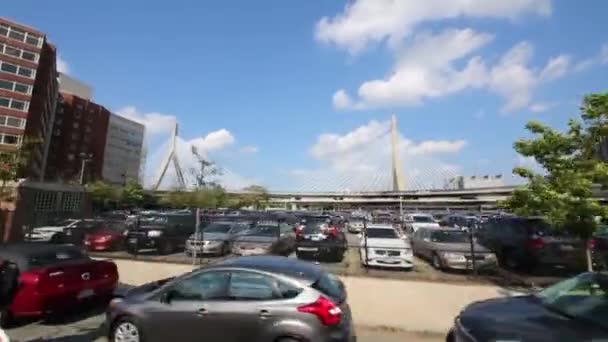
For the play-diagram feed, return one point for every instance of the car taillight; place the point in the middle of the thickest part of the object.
(325, 310)
(536, 243)
(333, 231)
(30, 278)
(592, 244)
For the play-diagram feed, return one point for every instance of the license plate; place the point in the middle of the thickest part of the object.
(566, 248)
(308, 249)
(389, 261)
(85, 294)
(133, 241)
(315, 238)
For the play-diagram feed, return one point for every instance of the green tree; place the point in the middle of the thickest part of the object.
(563, 192)
(256, 196)
(132, 194)
(9, 163)
(204, 171)
(102, 194)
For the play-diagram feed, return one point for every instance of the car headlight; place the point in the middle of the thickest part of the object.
(155, 233)
(454, 256)
(213, 242)
(125, 233)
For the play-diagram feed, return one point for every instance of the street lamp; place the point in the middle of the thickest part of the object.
(84, 159)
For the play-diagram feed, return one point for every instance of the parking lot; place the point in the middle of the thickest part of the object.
(86, 327)
(351, 266)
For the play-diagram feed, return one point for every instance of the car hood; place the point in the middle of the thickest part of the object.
(49, 229)
(210, 236)
(459, 247)
(522, 319)
(425, 225)
(255, 238)
(396, 243)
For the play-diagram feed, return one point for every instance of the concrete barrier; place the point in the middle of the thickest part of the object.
(395, 304)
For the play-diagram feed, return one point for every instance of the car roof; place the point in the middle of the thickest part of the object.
(21, 252)
(275, 264)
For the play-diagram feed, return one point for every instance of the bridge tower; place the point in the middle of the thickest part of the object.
(398, 178)
(172, 158)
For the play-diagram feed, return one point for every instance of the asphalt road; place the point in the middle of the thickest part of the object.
(86, 328)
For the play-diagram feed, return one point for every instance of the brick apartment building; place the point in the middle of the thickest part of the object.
(28, 93)
(79, 134)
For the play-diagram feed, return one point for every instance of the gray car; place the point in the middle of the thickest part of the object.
(247, 299)
(216, 238)
(265, 239)
(450, 249)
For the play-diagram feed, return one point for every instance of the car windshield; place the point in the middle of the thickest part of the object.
(449, 236)
(264, 231)
(584, 297)
(48, 258)
(423, 219)
(312, 228)
(383, 233)
(65, 222)
(217, 228)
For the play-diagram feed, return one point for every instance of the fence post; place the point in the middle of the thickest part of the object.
(365, 243)
(196, 232)
(472, 243)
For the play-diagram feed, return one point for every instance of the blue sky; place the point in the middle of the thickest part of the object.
(293, 95)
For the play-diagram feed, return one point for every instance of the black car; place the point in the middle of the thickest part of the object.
(572, 310)
(164, 233)
(320, 240)
(527, 243)
(75, 234)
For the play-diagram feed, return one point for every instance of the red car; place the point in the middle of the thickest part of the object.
(54, 277)
(109, 237)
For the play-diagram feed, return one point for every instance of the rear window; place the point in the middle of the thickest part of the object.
(49, 258)
(312, 228)
(423, 219)
(331, 286)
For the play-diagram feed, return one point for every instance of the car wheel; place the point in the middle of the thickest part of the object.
(437, 262)
(57, 238)
(225, 249)
(166, 248)
(6, 319)
(126, 330)
(510, 261)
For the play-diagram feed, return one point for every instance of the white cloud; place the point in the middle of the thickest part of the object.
(364, 22)
(555, 68)
(63, 66)
(540, 107)
(604, 54)
(600, 59)
(155, 123)
(423, 71)
(341, 100)
(250, 149)
(213, 141)
(361, 160)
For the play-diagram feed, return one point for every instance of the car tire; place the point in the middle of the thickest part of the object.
(7, 320)
(510, 261)
(57, 238)
(166, 248)
(125, 326)
(437, 264)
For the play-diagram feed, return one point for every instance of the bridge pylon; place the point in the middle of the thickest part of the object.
(397, 171)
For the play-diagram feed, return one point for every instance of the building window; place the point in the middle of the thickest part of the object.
(16, 34)
(3, 30)
(70, 156)
(10, 139)
(17, 70)
(45, 201)
(14, 104)
(11, 51)
(87, 129)
(76, 125)
(33, 40)
(9, 68)
(30, 56)
(74, 136)
(9, 121)
(15, 86)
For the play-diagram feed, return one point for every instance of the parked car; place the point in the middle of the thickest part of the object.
(419, 220)
(53, 277)
(259, 298)
(164, 233)
(265, 238)
(216, 238)
(355, 226)
(572, 310)
(598, 245)
(526, 243)
(320, 240)
(450, 249)
(76, 233)
(52, 233)
(463, 222)
(382, 245)
(108, 237)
